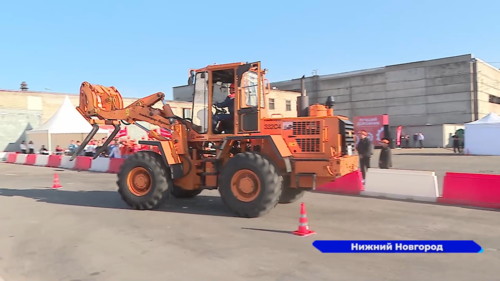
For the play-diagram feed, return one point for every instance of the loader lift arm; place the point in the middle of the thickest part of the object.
(101, 105)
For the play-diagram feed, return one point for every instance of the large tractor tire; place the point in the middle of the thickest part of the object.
(178, 192)
(250, 185)
(290, 195)
(144, 181)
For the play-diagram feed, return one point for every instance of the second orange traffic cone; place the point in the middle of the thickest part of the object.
(303, 229)
(56, 184)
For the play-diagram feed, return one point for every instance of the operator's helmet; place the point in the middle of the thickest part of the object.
(231, 89)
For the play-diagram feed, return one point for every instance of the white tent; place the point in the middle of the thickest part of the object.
(65, 125)
(481, 136)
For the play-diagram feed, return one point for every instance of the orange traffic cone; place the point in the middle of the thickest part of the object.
(303, 227)
(56, 184)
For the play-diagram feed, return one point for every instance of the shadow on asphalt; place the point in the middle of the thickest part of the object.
(268, 230)
(200, 205)
(430, 154)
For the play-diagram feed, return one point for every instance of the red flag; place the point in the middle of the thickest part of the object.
(122, 133)
(398, 135)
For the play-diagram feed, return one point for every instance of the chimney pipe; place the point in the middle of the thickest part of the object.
(303, 99)
(303, 86)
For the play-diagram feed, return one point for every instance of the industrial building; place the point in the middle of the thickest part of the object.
(435, 97)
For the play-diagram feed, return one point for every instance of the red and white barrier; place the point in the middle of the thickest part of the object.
(65, 163)
(21, 159)
(81, 163)
(100, 164)
(115, 164)
(477, 190)
(402, 184)
(351, 184)
(42, 160)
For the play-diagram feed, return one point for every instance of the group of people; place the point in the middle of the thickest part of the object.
(118, 148)
(418, 140)
(30, 149)
(365, 152)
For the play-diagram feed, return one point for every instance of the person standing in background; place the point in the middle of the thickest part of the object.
(385, 158)
(421, 140)
(415, 140)
(23, 147)
(31, 147)
(407, 141)
(115, 150)
(365, 152)
(456, 144)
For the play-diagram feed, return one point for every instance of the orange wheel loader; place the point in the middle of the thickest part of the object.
(254, 160)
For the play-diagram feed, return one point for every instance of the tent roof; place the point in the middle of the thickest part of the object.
(491, 118)
(66, 120)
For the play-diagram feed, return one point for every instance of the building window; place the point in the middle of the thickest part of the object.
(271, 104)
(186, 113)
(288, 105)
(494, 99)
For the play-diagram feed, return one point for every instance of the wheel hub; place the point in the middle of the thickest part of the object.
(139, 181)
(245, 185)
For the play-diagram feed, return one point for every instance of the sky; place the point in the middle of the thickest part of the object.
(143, 47)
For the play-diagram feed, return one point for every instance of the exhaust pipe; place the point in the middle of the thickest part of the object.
(303, 99)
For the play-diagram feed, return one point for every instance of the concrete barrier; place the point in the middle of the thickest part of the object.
(349, 184)
(11, 158)
(30, 159)
(477, 190)
(115, 165)
(21, 158)
(54, 161)
(401, 184)
(66, 164)
(4, 155)
(100, 164)
(83, 163)
(42, 160)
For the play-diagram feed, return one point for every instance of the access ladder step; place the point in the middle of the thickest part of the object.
(208, 187)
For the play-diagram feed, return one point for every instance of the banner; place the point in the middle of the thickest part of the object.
(122, 133)
(398, 136)
(373, 125)
(109, 128)
(397, 246)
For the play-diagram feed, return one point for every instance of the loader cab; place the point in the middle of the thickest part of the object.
(212, 86)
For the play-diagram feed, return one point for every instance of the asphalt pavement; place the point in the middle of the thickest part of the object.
(85, 232)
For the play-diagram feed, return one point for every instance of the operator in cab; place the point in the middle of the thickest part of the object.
(229, 103)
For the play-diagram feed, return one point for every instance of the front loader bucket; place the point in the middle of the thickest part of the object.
(97, 98)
